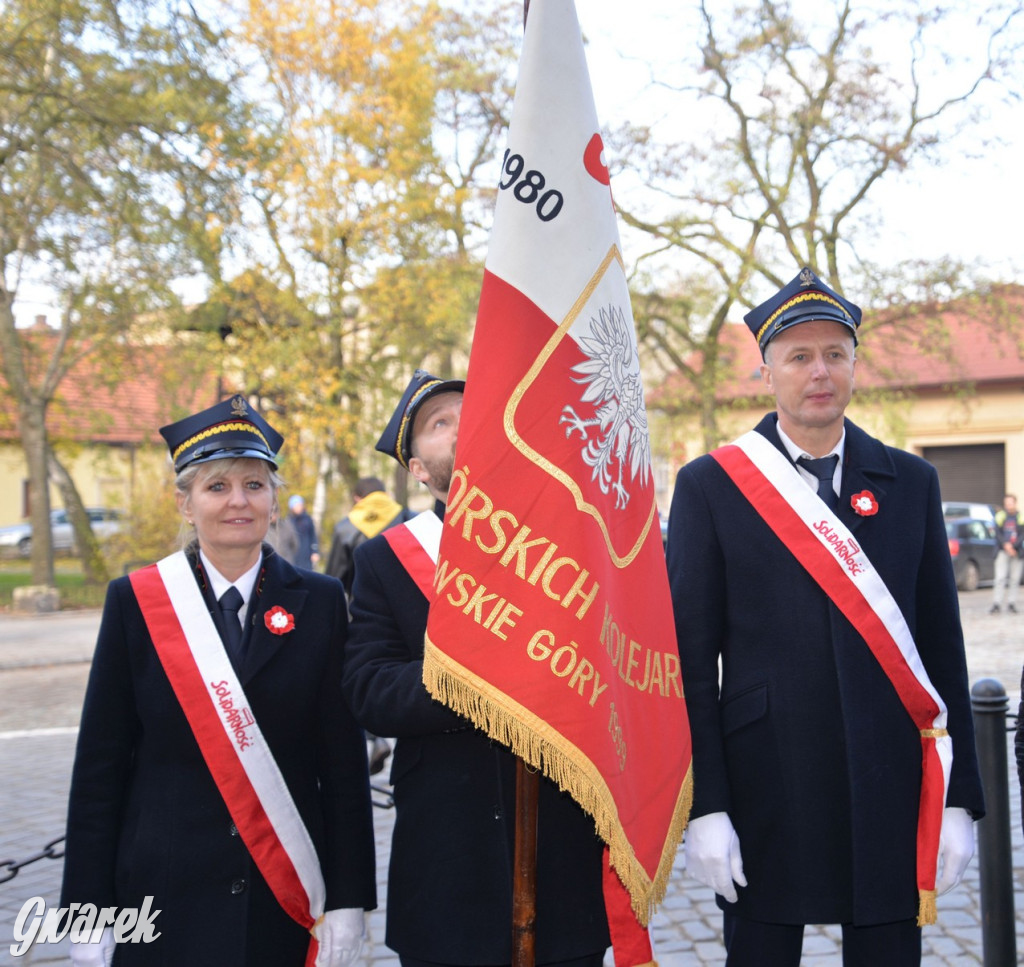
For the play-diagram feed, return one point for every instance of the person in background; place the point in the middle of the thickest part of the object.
(1009, 557)
(298, 542)
(170, 801)
(372, 512)
(451, 873)
(819, 631)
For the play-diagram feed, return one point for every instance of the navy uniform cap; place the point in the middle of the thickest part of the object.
(232, 428)
(396, 440)
(806, 298)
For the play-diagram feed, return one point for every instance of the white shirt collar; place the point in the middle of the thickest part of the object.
(794, 452)
(219, 584)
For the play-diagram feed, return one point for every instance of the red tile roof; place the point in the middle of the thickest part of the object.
(979, 344)
(95, 404)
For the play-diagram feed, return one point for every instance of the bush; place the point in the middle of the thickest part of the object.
(151, 531)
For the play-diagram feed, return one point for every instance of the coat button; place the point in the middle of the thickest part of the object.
(239, 885)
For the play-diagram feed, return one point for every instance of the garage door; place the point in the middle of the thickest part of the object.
(970, 473)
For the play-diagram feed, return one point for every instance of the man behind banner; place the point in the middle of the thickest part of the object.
(450, 880)
(219, 775)
(808, 799)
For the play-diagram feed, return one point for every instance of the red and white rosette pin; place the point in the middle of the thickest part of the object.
(279, 621)
(864, 503)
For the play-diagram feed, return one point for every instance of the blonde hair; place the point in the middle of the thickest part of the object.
(201, 472)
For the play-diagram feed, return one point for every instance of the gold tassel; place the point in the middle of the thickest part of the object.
(927, 912)
(540, 748)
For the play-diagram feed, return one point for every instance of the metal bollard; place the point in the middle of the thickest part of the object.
(990, 703)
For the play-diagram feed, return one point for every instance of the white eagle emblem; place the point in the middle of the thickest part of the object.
(612, 378)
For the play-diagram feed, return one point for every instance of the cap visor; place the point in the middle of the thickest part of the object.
(231, 453)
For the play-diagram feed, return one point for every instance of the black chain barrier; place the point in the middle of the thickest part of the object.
(9, 869)
(388, 801)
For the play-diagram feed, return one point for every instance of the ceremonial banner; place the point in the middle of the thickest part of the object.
(551, 625)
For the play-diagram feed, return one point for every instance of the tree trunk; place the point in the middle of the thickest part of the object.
(32, 431)
(318, 507)
(400, 486)
(32, 427)
(94, 566)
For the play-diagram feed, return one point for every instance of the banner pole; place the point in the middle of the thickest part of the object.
(524, 883)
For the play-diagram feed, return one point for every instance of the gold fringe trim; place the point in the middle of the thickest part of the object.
(927, 912)
(533, 740)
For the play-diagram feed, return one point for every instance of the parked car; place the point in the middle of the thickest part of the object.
(972, 546)
(17, 538)
(964, 508)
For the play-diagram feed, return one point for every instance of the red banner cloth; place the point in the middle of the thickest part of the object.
(552, 625)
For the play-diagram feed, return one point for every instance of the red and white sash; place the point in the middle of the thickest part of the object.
(261, 806)
(416, 544)
(827, 550)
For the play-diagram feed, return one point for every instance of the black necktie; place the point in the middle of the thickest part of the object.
(230, 602)
(824, 469)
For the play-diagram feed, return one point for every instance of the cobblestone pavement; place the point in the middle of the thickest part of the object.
(43, 667)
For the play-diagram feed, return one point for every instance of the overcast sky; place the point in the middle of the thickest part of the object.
(973, 208)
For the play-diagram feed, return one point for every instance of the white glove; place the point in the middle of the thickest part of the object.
(956, 847)
(340, 936)
(97, 951)
(712, 852)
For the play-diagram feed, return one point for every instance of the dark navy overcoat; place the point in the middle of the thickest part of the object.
(806, 746)
(450, 880)
(145, 817)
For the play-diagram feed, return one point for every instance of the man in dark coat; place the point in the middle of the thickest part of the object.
(807, 765)
(450, 880)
